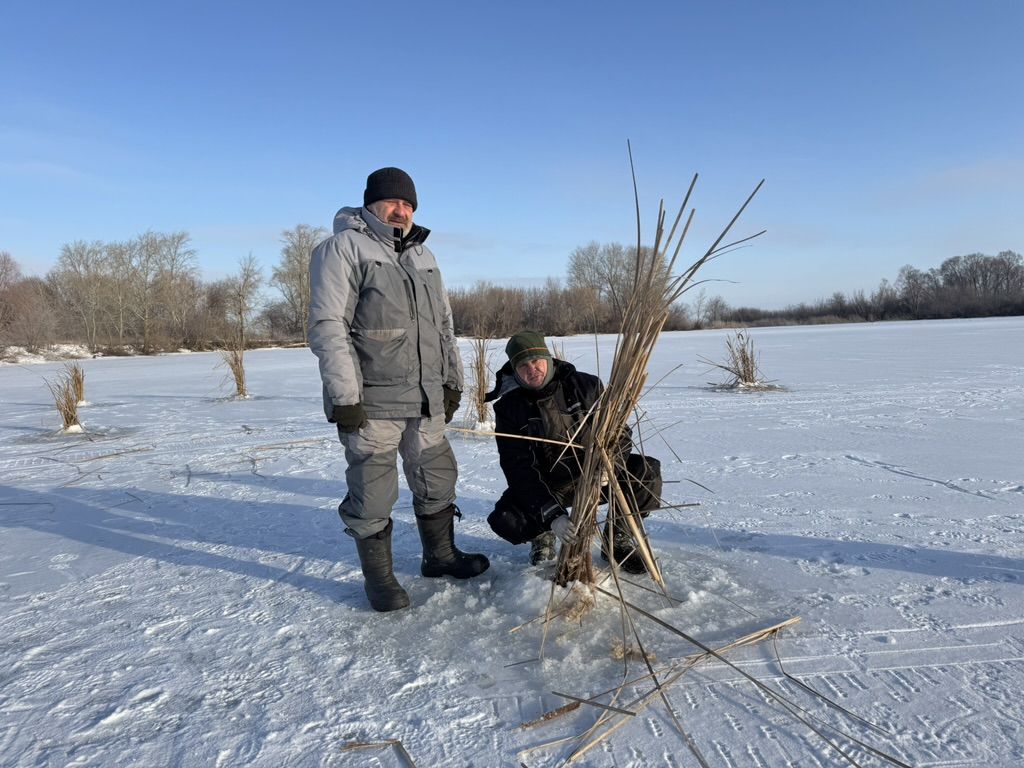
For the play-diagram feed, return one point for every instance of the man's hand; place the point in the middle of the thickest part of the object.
(349, 418)
(452, 398)
(563, 528)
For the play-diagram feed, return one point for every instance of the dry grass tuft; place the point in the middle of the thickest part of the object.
(742, 364)
(234, 359)
(66, 400)
(77, 377)
(480, 369)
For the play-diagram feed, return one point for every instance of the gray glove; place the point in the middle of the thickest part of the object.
(349, 418)
(563, 528)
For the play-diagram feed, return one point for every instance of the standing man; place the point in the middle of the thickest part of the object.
(381, 326)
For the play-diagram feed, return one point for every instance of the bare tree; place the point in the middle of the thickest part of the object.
(10, 272)
(176, 282)
(78, 281)
(606, 269)
(885, 301)
(1009, 274)
(291, 275)
(715, 310)
(10, 275)
(33, 321)
(243, 290)
(699, 306)
(913, 287)
(859, 305)
(145, 268)
(243, 295)
(212, 323)
(117, 298)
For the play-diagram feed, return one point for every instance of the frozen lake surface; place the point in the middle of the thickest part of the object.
(176, 588)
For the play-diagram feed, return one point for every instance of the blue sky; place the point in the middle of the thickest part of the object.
(889, 133)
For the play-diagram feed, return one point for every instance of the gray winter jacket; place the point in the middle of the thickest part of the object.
(379, 320)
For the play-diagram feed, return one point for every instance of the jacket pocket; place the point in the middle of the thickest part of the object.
(430, 279)
(384, 355)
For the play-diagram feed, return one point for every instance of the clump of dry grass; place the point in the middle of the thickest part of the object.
(77, 377)
(65, 398)
(480, 369)
(234, 359)
(742, 364)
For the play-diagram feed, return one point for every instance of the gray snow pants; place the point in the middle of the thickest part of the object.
(372, 472)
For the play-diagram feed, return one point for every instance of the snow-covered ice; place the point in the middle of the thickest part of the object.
(176, 588)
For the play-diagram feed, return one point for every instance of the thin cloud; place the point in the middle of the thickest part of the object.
(990, 176)
(43, 170)
(465, 241)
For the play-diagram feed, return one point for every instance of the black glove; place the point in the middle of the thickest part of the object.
(452, 398)
(349, 418)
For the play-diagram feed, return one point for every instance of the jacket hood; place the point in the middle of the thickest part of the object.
(362, 220)
(349, 218)
(506, 381)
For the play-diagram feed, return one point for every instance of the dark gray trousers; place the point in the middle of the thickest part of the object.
(372, 473)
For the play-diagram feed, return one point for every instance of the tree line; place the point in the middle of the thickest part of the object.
(146, 295)
(975, 285)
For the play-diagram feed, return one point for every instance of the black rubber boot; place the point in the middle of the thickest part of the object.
(542, 548)
(440, 555)
(624, 547)
(382, 589)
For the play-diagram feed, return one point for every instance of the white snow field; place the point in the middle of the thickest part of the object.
(176, 588)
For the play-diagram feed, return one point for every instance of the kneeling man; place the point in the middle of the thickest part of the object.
(539, 396)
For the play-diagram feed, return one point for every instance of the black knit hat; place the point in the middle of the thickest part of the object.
(389, 184)
(526, 346)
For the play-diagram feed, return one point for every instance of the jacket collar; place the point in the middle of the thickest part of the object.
(506, 381)
(392, 236)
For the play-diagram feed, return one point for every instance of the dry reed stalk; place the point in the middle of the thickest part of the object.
(799, 713)
(673, 673)
(234, 359)
(64, 398)
(563, 443)
(481, 371)
(652, 293)
(77, 377)
(395, 743)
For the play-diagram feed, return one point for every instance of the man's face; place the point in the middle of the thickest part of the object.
(397, 213)
(533, 372)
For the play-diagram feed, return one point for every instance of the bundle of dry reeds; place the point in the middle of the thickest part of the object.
(480, 370)
(654, 289)
(234, 359)
(77, 377)
(66, 399)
